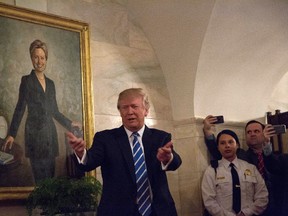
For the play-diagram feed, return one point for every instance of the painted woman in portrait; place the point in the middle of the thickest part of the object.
(37, 93)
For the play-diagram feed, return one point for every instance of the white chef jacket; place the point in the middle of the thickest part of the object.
(217, 189)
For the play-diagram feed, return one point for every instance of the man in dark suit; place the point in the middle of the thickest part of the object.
(112, 150)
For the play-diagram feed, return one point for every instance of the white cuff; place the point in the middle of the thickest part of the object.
(164, 167)
(83, 160)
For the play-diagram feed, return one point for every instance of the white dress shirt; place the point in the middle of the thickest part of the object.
(217, 189)
(140, 132)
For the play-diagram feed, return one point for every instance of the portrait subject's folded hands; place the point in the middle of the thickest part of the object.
(208, 126)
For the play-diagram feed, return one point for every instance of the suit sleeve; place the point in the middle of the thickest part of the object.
(176, 162)
(19, 109)
(273, 164)
(63, 120)
(212, 147)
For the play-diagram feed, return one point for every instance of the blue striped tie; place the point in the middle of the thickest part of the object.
(143, 191)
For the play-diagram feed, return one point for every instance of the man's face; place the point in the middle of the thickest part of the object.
(133, 112)
(254, 136)
(39, 60)
(227, 146)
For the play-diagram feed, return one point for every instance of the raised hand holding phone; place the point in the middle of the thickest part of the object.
(272, 130)
(279, 129)
(209, 124)
(219, 119)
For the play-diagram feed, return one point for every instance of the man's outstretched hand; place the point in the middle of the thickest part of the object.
(77, 144)
(164, 153)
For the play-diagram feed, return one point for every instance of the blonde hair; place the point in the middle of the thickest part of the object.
(138, 92)
(38, 44)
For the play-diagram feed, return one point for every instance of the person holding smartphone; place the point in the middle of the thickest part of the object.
(256, 135)
(208, 128)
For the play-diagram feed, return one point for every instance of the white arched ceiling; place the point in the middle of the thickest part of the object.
(243, 57)
(175, 30)
(218, 56)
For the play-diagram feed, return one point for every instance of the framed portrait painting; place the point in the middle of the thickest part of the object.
(67, 92)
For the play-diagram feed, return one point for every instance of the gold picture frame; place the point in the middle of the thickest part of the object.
(21, 26)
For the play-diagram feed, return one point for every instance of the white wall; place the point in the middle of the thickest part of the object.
(193, 57)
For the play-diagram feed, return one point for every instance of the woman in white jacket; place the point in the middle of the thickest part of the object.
(217, 183)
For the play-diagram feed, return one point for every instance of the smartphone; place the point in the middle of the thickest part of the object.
(220, 119)
(279, 129)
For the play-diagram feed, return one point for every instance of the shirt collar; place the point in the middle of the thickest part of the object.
(226, 163)
(140, 132)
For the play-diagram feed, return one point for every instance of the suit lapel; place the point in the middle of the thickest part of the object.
(37, 84)
(125, 149)
(147, 141)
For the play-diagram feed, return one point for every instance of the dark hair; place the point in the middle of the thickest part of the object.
(254, 121)
(229, 132)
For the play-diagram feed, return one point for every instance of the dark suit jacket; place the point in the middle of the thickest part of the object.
(111, 150)
(278, 165)
(40, 131)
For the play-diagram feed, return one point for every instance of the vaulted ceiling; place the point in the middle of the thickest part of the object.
(219, 57)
